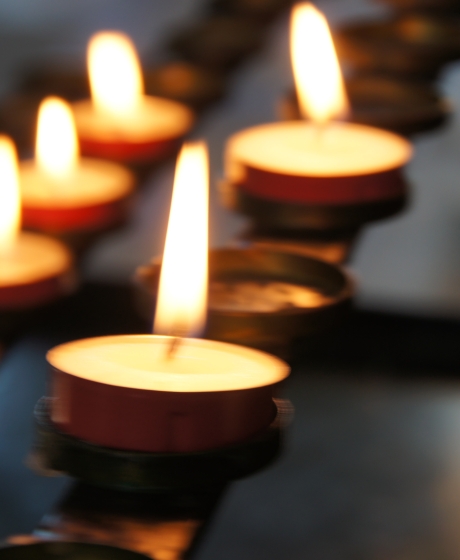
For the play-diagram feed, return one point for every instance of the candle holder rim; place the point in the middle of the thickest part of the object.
(345, 293)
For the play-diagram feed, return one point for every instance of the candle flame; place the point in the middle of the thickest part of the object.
(56, 147)
(10, 199)
(114, 73)
(182, 294)
(317, 73)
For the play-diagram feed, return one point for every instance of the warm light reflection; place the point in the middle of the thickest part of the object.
(56, 148)
(317, 73)
(182, 294)
(114, 72)
(10, 200)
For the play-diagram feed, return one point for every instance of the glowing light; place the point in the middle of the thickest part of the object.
(10, 200)
(182, 294)
(317, 73)
(114, 72)
(56, 148)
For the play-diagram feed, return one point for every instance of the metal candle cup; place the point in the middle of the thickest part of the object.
(286, 177)
(415, 45)
(120, 122)
(140, 471)
(257, 10)
(271, 330)
(334, 248)
(186, 83)
(124, 392)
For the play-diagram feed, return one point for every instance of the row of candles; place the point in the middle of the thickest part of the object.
(170, 392)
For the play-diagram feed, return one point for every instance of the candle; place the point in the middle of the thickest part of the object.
(33, 268)
(162, 393)
(319, 166)
(62, 192)
(120, 122)
(124, 392)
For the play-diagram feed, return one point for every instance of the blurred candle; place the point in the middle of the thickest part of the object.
(62, 191)
(33, 268)
(120, 122)
(10, 200)
(322, 161)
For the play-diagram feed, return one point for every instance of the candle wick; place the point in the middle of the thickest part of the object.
(173, 346)
(320, 128)
(177, 334)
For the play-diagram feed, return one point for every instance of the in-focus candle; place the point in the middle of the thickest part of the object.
(158, 393)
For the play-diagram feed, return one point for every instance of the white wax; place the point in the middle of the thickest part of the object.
(141, 362)
(153, 119)
(33, 258)
(300, 148)
(93, 182)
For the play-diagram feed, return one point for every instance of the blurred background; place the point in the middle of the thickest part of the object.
(408, 264)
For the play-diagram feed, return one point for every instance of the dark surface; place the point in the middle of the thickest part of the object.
(371, 468)
(67, 551)
(167, 525)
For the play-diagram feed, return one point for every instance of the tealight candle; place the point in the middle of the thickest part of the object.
(162, 393)
(120, 122)
(313, 167)
(62, 192)
(124, 392)
(33, 268)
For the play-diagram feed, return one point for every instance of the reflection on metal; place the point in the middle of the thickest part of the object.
(269, 331)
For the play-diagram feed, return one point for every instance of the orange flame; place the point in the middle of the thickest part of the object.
(317, 73)
(114, 72)
(56, 147)
(182, 294)
(10, 199)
